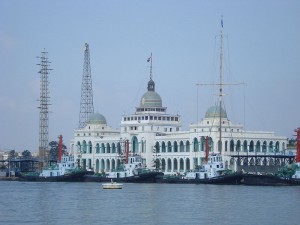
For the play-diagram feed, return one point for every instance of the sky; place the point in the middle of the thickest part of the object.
(260, 49)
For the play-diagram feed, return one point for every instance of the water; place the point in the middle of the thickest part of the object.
(88, 203)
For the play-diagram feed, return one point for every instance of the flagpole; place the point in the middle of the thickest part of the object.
(151, 66)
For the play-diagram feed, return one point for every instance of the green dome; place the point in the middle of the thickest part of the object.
(214, 112)
(97, 118)
(151, 99)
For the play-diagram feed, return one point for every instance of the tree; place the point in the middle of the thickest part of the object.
(53, 153)
(25, 163)
(12, 155)
(26, 154)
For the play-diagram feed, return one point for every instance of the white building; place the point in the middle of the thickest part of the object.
(157, 135)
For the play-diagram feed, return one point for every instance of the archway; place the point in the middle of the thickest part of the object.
(135, 145)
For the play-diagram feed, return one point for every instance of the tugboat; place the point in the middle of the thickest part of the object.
(132, 171)
(66, 170)
(287, 176)
(212, 172)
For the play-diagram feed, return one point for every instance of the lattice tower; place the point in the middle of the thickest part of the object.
(44, 103)
(86, 102)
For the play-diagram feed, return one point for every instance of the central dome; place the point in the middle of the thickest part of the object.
(214, 112)
(151, 99)
(96, 118)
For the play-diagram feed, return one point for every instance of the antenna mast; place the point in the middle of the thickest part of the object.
(44, 112)
(86, 102)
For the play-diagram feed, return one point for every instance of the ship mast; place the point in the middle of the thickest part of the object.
(220, 89)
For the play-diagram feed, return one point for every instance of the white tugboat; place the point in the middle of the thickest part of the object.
(65, 170)
(132, 170)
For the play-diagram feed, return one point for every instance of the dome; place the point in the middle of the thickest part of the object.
(214, 112)
(97, 118)
(151, 99)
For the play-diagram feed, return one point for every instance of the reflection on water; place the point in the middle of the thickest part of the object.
(88, 203)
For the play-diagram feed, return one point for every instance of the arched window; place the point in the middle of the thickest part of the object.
(119, 148)
(78, 147)
(84, 146)
(135, 145)
(251, 147)
(196, 145)
(97, 165)
(187, 164)
(181, 165)
(175, 165)
(144, 145)
(157, 147)
(163, 147)
(113, 148)
(169, 165)
(102, 166)
(231, 145)
(90, 147)
(107, 165)
(238, 146)
(169, 146)
(271, 146)
(107, 148)
(187, 146)
(163, 165)
(264, 147)
(277, 146)
(175, 146)
(245, 147)
(202, 144)
(102, 148)
(97, 148)
(113, 165)
(257, 146)
(181, 146)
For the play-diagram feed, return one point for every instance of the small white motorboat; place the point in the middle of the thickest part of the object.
(112, 185)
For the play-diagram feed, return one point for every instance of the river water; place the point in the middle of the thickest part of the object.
(88, 203)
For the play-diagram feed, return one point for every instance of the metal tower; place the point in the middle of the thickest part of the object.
(44, 103)
(86, 102)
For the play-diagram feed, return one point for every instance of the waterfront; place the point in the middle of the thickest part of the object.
(88, 203)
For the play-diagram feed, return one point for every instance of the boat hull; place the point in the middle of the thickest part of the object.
(72, 177)
(268, 180)
(150, 177)
(230, 179)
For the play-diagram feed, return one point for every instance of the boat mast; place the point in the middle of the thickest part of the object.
(220, 89)
(298, 145)
(60, 148)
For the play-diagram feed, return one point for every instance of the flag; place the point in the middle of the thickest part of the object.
(148, 60)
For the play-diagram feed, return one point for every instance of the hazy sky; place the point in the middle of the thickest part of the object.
(261, 48)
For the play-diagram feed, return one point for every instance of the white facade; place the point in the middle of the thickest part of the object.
(158, 136)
